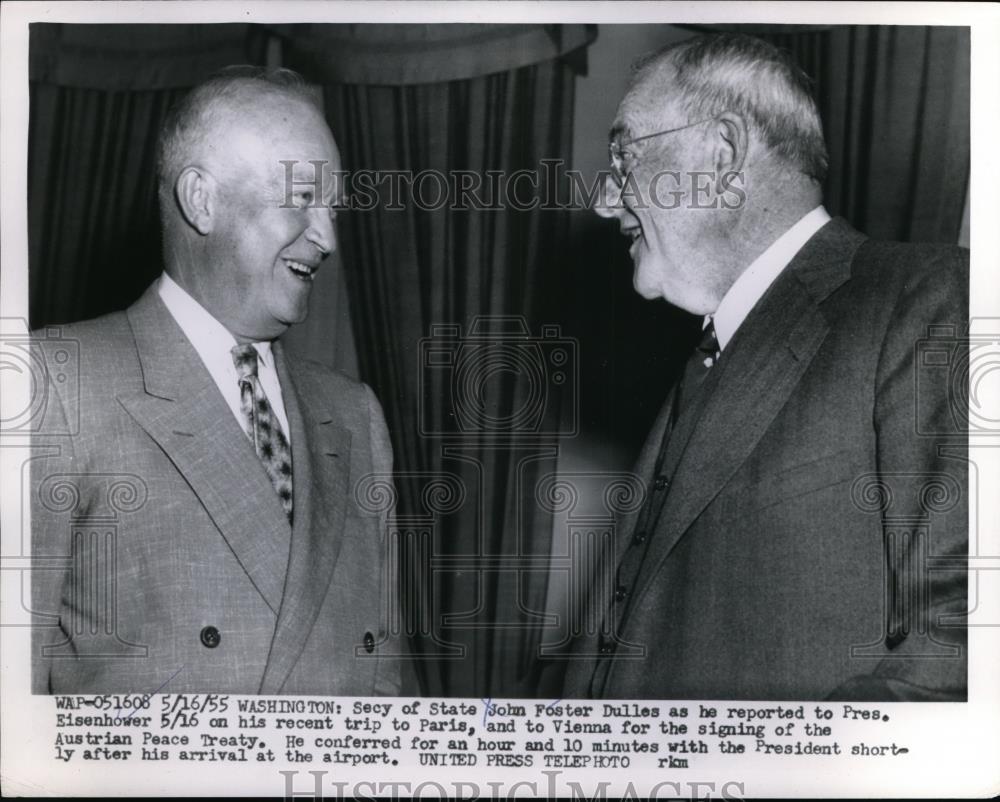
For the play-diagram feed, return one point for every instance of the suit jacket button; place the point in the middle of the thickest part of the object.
(661, 482)
(639, 538)
(369, 642)
(210, 637)
(620, 593)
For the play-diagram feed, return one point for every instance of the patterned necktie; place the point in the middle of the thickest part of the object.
(262, 427)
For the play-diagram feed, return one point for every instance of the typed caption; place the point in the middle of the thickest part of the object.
(221, 729)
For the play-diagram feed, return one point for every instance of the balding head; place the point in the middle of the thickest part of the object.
(246, 169)
(238, 99)
(703, 118)
(707, 75)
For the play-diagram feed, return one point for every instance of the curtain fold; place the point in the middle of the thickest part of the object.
(93, 229)
(895, 107)
(138, 56)
(411, 272)
(406, 54)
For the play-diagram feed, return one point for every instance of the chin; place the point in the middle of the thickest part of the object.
(294, 312)
(689, 303)
(641, 283)
(649, 293)
(291, 320)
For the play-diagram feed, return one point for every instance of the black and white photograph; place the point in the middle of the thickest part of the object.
(600, 387)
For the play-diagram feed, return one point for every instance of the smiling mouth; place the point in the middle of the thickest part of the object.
(301, 270)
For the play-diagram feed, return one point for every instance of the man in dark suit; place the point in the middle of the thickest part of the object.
(195, 520)
(804, 532)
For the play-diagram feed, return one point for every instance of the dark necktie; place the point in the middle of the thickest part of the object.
(704, 356)
(706, 353)
(262, 426)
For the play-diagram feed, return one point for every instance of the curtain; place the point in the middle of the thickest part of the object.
(94, 240)
(411, 54)
(422, 280)
(98, 96)
(895, 107)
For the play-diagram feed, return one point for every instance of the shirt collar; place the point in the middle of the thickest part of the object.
(751, 285)
(198, 324)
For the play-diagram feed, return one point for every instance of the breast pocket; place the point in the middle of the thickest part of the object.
(834, 471)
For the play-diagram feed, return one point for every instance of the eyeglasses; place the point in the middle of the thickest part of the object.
(618, 155)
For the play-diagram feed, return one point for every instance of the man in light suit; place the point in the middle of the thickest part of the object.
(195, 522)
(804, 532)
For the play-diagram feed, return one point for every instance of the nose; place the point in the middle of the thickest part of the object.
(321, 231)
(609, 203)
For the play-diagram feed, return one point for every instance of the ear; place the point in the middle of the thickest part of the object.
(196, 192)
(731, 145)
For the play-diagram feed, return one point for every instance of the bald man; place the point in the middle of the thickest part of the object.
(197, 530)
(805, 528)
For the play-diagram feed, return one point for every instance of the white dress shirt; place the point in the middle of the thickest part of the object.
(214, 342)
(755, 280)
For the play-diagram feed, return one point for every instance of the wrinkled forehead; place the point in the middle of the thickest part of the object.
(275, 142)
(288, 129)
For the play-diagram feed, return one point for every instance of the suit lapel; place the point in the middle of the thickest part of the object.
(321, 456)
(182, 410)
(740, 398)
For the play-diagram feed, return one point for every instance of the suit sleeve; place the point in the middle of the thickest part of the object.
(395, 674)
(922, 459)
